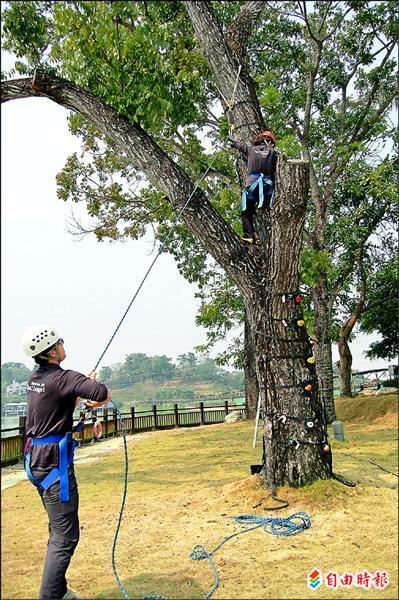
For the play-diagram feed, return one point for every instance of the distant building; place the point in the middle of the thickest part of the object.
(13, 409)
(16, 388)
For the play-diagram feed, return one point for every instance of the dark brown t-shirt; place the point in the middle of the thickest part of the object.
(51, 398)
(261, 159)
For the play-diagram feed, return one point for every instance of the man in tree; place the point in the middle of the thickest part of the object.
(52, 395)
(261, 159)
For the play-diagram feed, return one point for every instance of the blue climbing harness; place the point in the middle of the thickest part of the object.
(262, 181)
(66, 445)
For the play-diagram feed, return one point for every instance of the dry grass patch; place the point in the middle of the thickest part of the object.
(183, 486)
(383, 408)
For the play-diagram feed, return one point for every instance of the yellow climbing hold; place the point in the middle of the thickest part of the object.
(300, 323)
(311, 360)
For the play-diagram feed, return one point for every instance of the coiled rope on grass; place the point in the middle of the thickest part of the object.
(292, 525)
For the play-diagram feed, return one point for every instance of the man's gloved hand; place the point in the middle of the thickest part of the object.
(93, 404)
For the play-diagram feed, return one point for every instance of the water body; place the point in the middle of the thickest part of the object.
(6, 423)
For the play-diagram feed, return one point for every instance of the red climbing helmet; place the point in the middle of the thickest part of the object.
(268, 134)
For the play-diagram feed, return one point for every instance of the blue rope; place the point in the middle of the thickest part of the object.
(277, 526)
(274, 525)
(120, 584)
(174, 224)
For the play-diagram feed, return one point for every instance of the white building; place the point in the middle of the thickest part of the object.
(16, 388)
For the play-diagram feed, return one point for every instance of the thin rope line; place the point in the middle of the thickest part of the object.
(154, 261)
(229, 105)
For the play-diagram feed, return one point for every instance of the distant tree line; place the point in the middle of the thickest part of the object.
(138, 368)
(13, 371)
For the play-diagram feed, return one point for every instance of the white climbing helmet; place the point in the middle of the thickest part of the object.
(38, 338)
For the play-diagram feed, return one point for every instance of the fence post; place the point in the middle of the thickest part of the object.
(22, 431)
(132, 409)
(105, 417)
(115, 420)
(202, 413)
(176, 409)
(226, 407)
(154, 412)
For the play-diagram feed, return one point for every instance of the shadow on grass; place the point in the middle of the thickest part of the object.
(368, 457)
(172, 586)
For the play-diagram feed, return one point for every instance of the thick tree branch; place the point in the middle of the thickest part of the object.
(235, 86)
(200, 216)
(242, 27)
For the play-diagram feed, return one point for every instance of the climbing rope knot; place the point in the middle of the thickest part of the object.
(199, 552)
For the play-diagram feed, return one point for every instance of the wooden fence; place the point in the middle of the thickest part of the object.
(134, 421)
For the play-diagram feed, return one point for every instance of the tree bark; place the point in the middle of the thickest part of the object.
(295, 436)
(345, 367)
(250, 378)
(238, 33)
(235, 85)
(323, 351)
(345, 356)
(201, 218)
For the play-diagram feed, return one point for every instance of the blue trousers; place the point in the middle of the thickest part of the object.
(63, 535)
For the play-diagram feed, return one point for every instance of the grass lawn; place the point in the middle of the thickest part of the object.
(183, 484)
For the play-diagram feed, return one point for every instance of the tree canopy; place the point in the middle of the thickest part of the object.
(381, 314)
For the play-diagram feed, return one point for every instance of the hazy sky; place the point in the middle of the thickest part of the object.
(82, 288)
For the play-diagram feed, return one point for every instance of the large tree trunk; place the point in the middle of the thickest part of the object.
(345, 366)
(295, 437)
(250, 378)
(345, 356)
(323, 351)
